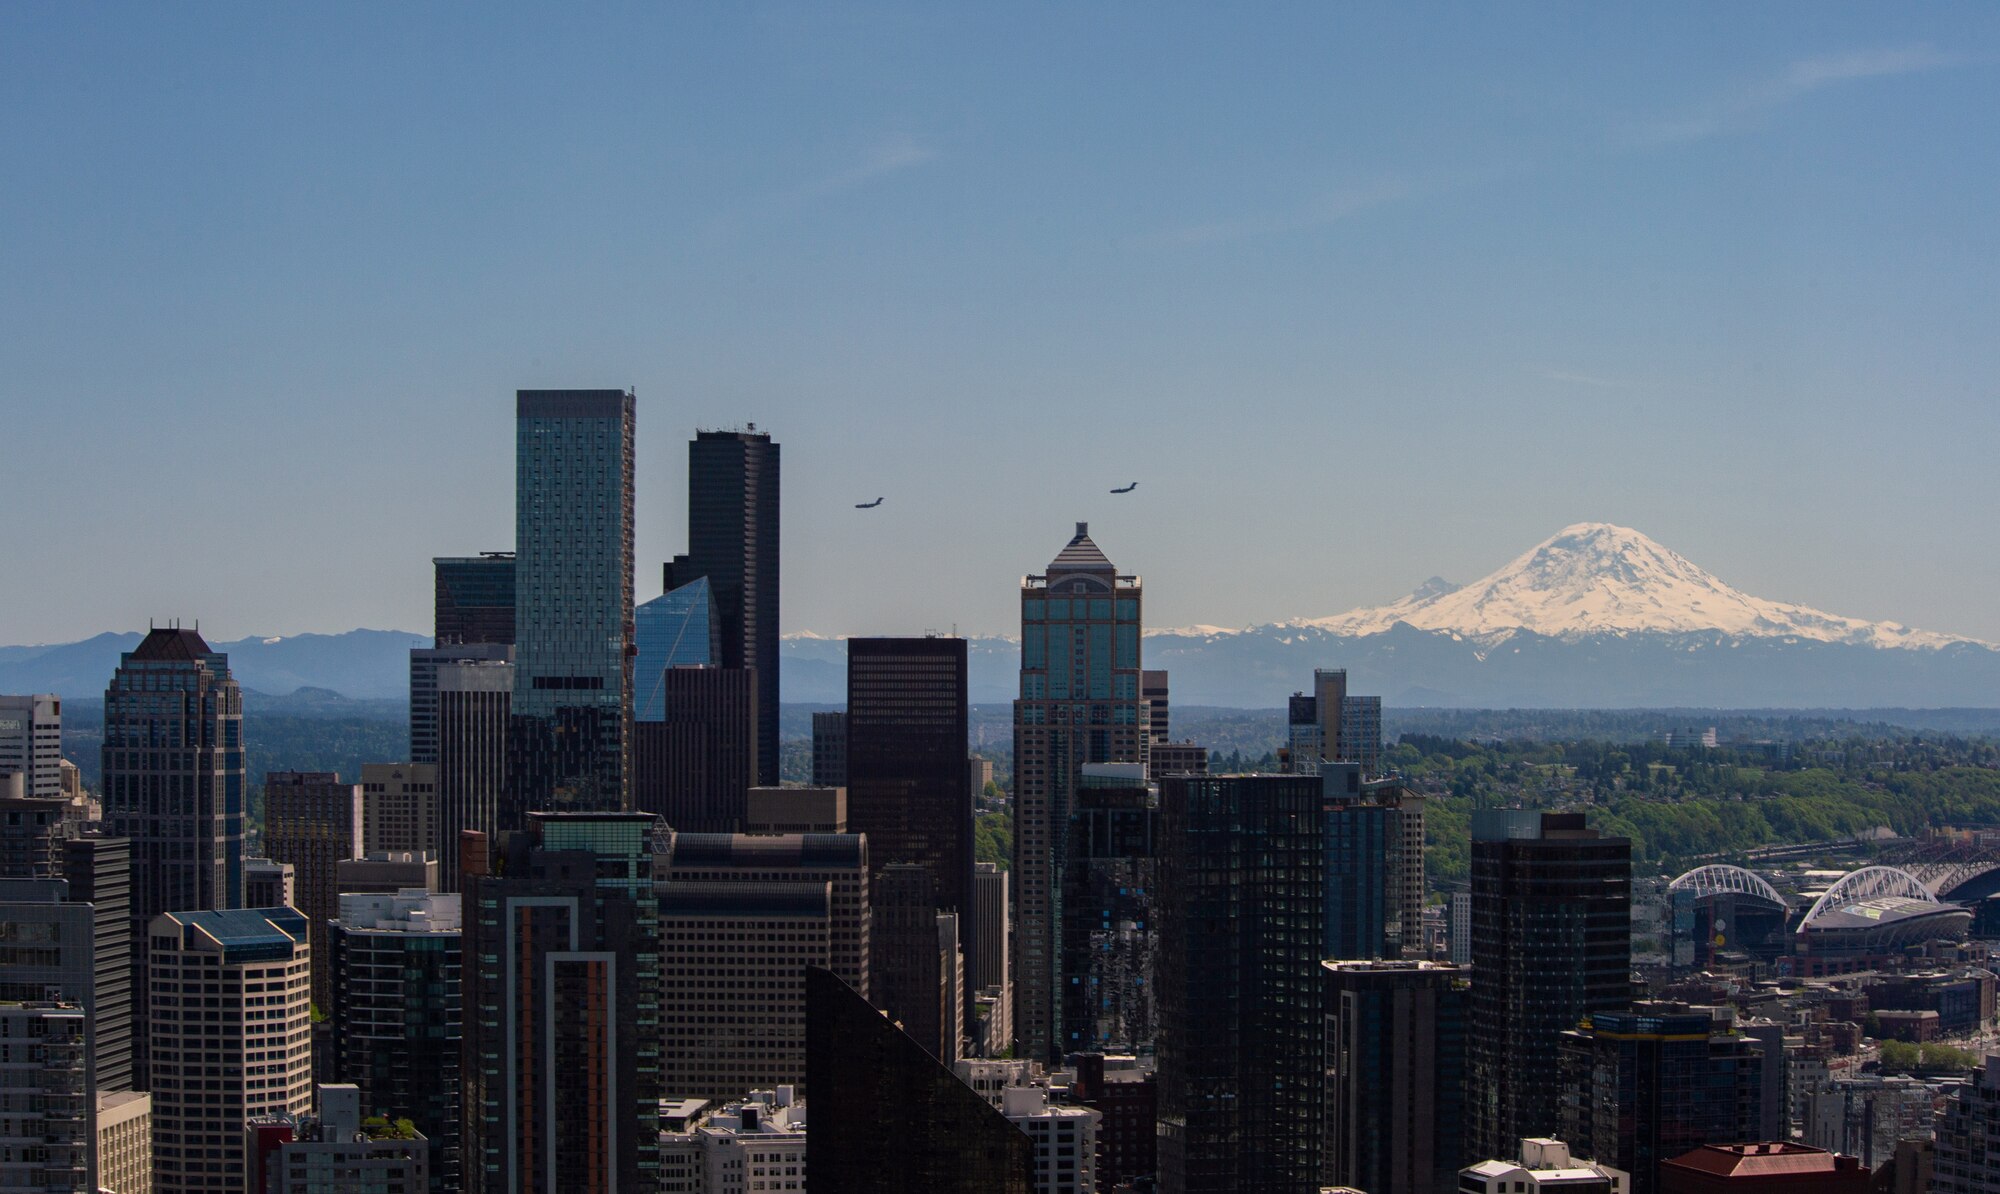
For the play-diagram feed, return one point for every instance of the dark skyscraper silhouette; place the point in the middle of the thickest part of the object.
(570, 741)
(906, 746)
(887, 1118)
(733, 541)
(474, 598)
(174, 785)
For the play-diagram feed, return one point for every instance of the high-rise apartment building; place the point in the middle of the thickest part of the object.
(230, 1035)
(695, 765)
(1109, 964)
(1374, 865)
(475, 702)
(32, 832)
(1966, 1161)
(1361, 732)
(561, 1065)
(906, 736)
(1395, 1064)
(31, 743)
(399, 807)
(397, 1013)
(888, 1118)
(1645, 1086)
(569, 744)
(1551, 945)
(173, 784)
(474, 598)
(98, 871)
(733, 542)
(313, 822)
(73, 943)
(1079, 703)
(45, 1103)
(1331, 725)
(830, 748)
(425, 663)
(1241, 1043)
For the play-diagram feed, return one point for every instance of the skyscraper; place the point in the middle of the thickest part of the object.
(1109, 964)
(424, 665)
(31, 742)
(569, 745)
(475, 699)
(1374, 865)
(399, 807)
(173, 784)
(918, 974)
(226, 1055)
(676, 629)
(1241, 1046)
(695, 765)
(474, 598)
(313, 821)
(830, 748)
(733, 542)
(1551, 944)
(1079, 703)
(562, 1005)
(906, 745)
(1395, 1064)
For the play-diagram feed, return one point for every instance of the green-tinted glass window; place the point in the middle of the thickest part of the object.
(1128, 609)
(1033, 609)
(1100, 608)
(1034, 646)
(1058, 609)
(1128, 644)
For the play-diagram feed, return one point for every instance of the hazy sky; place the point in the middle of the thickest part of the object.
(1357, 294)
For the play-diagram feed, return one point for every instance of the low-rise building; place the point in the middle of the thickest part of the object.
(125, 1142)
(755, 1144)
(1064, 1138)
(1543, 1165)
(335, 1152)
(1778, 1167)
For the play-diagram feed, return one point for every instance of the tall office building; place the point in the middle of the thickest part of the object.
(1109, 961)
(918, 974)
(1079, 703)
(173, 785)
(676, 629)
(1374, 865)
(399, 807)
(986, 962)
(397, 1013)
(1159, 719)
(231, 1037)
(31, 742)
(1361, 732)
(425, 663)
(888, 1118)
(1395, 1064)
(695, 766)
(1645, 1086)
(98, 871)
(1551, 945)
(313, 822)
(475, 701)
(906, 736)
(474, 598)
(569, 745)
(745, 861)
(561, 1067)
(1241, 1046)
(830, 748)
(733, 542)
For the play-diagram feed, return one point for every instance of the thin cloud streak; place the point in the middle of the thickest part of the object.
(1329, 209)
(1738, 110)
(888, 157)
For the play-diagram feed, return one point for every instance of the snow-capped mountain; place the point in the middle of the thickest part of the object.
(1594, 578)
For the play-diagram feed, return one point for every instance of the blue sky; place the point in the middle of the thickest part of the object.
(1358, 293)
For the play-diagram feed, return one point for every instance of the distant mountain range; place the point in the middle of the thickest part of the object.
(1597, 616)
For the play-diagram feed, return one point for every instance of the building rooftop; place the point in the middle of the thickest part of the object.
(245, 934)
(164, 644)
(1763, 1159)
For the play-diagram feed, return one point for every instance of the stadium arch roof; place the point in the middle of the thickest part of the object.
(1868, 883)
(1722, 879)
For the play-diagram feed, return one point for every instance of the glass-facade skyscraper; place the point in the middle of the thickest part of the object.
(675, 629)
(569, 745)
(1079, 703)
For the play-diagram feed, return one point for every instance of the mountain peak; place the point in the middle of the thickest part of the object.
(1599, 578)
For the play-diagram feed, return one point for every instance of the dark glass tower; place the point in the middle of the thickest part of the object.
(569, 746)
(733, 541)
(906, 744)
(562, 1009)
(1395, 1066)
(1551, 945)
(475, 598)
(1241, 1046)
(1110, 915)
(173, 785)
(887, 1118)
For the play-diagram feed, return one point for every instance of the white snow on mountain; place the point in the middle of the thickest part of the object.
(1595, 578)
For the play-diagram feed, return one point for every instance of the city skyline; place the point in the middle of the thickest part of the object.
(1718, 280)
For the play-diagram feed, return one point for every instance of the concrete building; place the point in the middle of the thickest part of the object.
(733, 524)
(45, 1103)
(385, 872)
(561, 1069)
(1868, 1115)
(398, 1013)
(1395, 1068)
(269, 884)
(425, 664)
(399, 807)
(1153, 690)
(752, 861)
(313, 822)
(830, 748)
(231, 1034)
(1125, 1091)
(1543, 1165)
(1079, 703)
(1241, 1043)
(181, 809)
(1551, 945)
(755, 1143)
(1176, 758)
(475, 699)
(31, 743)
(796, 810)
(70, 943)
(978, 773)
(1966, 1161)
(336, 1151)
(1064, 1139)
(569, 740)
(124, 1129)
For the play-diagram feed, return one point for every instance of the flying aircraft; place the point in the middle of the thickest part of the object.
(868, 505)
(1129, 488)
